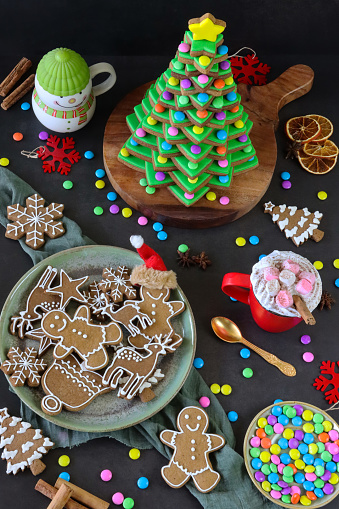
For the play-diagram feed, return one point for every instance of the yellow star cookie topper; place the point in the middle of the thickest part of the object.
(207, 27)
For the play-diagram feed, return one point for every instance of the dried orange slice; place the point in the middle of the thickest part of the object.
(316, 165)
(323, 149)
(326, 127)
(302, 129)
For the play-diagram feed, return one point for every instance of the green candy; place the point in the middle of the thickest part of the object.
(285, 408)
(128, 503)
(192, 166)
(286, 499)
(319, 470)
(318, 428)
(217, 102)
(183, 100)
(247, 150)
(326, 456)
(288, 471)
(143, 182)
(269, 429)
(290, 412)
(183, 248)
(265, 469)
(150, 190)
(67, 184)
(321, 447)
(255, 452)
(276, 487)
(319, 483)
(273, 468)
(247, 373)
(318, 418)
(178, 65)
(288, 478)
(98, 211)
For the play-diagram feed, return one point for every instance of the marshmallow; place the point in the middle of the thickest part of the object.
(287, 277)
(307, 275)
(303, 287)
(292, 266)
(273, 287)
(271, 273)
(284, 299)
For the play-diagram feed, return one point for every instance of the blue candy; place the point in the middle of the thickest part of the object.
(142, 483)
(277, 401)
(308, 486)
(299, 478)
(111, 196)
(260, 258)
(319, 461)
(273, 478)
(157, 227)
(25, 106)
(231, 96)
(224, 179)
(89, 154)
(222, 50)
(297, 421)
(245, 353)
(65, 476)
(233, 299)
(100, 173)
(179, 116)
(276, 410)
(308, 459)
(232, 416)
(133, 142)
(331, 466)
(162, 235)
(256, 463)
(285, 458)
(285, 175)
(202, 97)
(251, 159)
(166, 146)
(254, 240)
(198, 363)
(303, 448)
(319, 493)
(221, 135)
(308, 438)
(283, 419)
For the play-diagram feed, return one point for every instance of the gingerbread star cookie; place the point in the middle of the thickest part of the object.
(68, 289)
(207, 27)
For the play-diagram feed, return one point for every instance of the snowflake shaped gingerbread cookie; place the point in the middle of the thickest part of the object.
(58, 155)
(35, 221)
(117, 284)
(23, 366)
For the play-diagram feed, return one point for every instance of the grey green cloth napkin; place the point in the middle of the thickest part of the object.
(235, 490)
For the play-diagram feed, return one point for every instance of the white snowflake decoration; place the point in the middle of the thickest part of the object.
(117, 283)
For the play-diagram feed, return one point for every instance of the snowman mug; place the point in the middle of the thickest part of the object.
(64, 99)
(238, 286)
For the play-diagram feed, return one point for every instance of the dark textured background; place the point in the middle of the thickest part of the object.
(128, 35)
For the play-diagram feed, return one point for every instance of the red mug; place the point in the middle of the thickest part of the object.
(238, 286)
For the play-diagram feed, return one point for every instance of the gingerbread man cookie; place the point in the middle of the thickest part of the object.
(80, 335)
(192, 447)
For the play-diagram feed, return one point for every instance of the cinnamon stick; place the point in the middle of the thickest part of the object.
(60, 499)
(303, 310)
(50, 492)
(19, 92)
(317, 235)
(83, 496)
(14, 76)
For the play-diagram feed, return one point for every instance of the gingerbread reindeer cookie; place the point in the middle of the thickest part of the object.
(192, 446)
(88, 340)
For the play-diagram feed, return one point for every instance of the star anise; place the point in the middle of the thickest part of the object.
(292, 149)
(184, 259)
(326, 301)
(202, 260)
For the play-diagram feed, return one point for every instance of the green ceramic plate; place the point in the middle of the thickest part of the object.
(107, 412)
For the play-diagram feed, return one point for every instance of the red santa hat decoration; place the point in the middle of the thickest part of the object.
(153, 274)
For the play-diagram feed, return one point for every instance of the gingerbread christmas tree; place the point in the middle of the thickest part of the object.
(190, 133)
(23, 445)
(298, 225)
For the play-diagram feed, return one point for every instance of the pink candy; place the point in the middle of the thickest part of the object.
(310, 476)
(275, 459)
(333, 449)
(275, 494)
(281, 467)
(255, 442)
(293, 267)
(278, 428)
(271, 273)
(295, 489)
(303, 287)
(333, 434)
(183, 47)
(284, 299)
(307, 275)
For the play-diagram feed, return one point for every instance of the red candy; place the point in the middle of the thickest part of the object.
(311, 495)
(260, 433)
(295, 498)
(266, 443)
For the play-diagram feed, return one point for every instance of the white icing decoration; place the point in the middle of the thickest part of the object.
(302, 221)
(293, 210)
(37, 434)
(306, 211)
(282, 208)
(283, 223)
(24, 427)
(25, 447)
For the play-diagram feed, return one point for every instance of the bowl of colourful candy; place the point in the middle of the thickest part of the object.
(291, 452)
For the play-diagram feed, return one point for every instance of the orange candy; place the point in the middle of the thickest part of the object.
(294, 468)
(235, 109)
(311, 495)
(202, 114)
(17, 136)
(323, 437)
(159, 109)
(219, 83)
(265, 443)
(260, 433)
(221, 151)
(295, 498)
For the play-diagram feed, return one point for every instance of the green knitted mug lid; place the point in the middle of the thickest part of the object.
(63, 72)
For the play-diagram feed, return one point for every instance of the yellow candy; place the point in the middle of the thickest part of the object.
(309, 469)
(300, 465)
(192, 181)
(126, 212)
(204, 60)
(322, 195)
(124, 152)
(262, 422)
(318, 265)
(265, 456)
(226, 390)
(100, 184)
(134, 454)
(64, 460)
(305, 500)
(294, 454)
(215, 388)
(266, 486)
(240, 241)
(313, 449)
(4, 161)
(151, 121)
(288, 433)
(307, 415)
(198, 130)
(327, 426)
(334, 478)
(162, 160)
(229, 81)
(206, 29)
(308, 427)
(173, 81)
(336, 263)
(211, 196)
(239, 124)
(275, 449)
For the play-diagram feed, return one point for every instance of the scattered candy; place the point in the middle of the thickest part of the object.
(286, 184)
(98, 211)
(128, 503)
(114, 209)
(322, 195)
(100, 184)
(150, 190)
(224, 200)
(211, 196)
(318, 265)
(336, 282)
(25, 106)
(336, 263)
(240, 241)
(65, 476)
(226, 390)
(162, 235)
(183, 248)
(254, 240)
(126, 212)
(232, 416)
(308, 356)
(142, 483)
(285, 175)
(245, 353)
(100, 173)
(43, 135)
(106, 475)
(118, 498)
(233, 299)
(18, 136)
(112, 196)
(142, 220)
(247, 373)
(305, 339)
(64, 460)
(215, 388)
(4, 161)
(67, 184)
(198, 362)
(89, 154)
(205, 401)
(157, 227)
(134, 454)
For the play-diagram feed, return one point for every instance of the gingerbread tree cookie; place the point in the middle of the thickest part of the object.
(298, 225)
(23, 366)
(23, 445)
(35, 221)
(192, 446)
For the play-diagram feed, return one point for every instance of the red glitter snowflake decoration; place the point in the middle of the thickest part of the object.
(249, 70)
(58, 155)
(322, 383)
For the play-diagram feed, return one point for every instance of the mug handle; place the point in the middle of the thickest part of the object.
(108, 83)
(237, 285)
